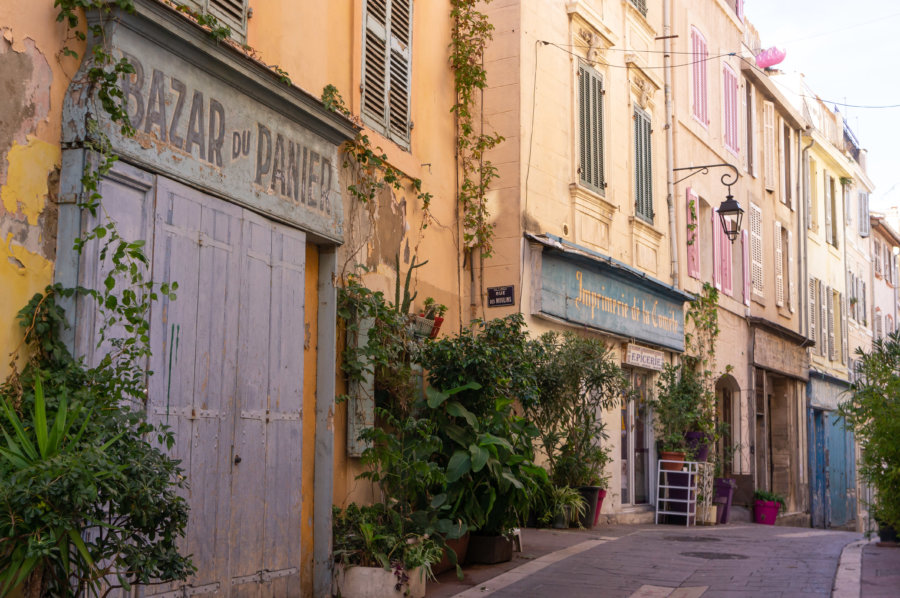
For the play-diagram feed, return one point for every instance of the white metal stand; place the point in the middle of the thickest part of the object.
(681, 484)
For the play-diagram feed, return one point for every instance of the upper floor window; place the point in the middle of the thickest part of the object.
(730, 100)
(641, 5)
(738, 8)
(643, 166)
(757, 281)
(590, 129)
(863, 214)
(229, 12)
(769, 145)
(832, 214)
(386, 65)
(700, 55)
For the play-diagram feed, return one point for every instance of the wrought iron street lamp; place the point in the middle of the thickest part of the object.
(730, 211)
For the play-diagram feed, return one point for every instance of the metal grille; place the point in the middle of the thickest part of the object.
(641, 5)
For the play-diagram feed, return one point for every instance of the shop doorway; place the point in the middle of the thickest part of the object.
(636, 442)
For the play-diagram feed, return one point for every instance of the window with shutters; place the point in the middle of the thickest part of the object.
(769, 149)
(693, 234)
(878, 331)
(590, 125)
(823, 319)
(832, 214)
(813, 205)
(229, 12)
(779, 265)
(750, 125)
(641, 5)
(832, 347)
(843, 342)
(745, 265)
(738, 8)
(730, 108)
(888, 324)
(757, 281)
(643, 166)
(813, 291)
(877, 256)
(699, 87)
(863, 204)
(787, 196)
(862, 302)
(725, 259)
(845, 198)
(386, 68)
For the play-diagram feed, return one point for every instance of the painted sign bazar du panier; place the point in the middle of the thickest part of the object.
(611, 297)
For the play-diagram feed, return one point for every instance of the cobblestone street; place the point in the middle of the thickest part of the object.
(734, 561)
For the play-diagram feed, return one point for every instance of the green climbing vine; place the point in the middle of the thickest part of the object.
(372, 171)
(471, 33)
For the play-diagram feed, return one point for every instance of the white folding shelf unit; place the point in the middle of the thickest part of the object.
(684, 482)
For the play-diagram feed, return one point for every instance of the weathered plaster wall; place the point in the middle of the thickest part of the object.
(33, 79)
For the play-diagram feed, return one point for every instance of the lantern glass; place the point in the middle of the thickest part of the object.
(731, 214)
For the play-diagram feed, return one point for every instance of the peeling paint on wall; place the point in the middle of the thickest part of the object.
(27, 169)
(23, 273)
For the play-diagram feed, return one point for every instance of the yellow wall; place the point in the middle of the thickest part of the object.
(36, 76)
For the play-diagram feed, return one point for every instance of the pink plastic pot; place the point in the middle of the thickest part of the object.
(765, 512)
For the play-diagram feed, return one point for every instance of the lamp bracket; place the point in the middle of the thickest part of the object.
(728, 179)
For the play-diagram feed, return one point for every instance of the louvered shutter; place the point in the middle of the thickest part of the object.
(877, 256)
(865, 308)
(845, 345)
(769, 144)
(792, 273)
(779, 266)
(812, 310)
(400, 62)
(386, 67)
(845, 197)
(715, 227)
(590, 124)
(756, 250)
(698, 47)
(745, 255)
(863, 214)
(643, 166)
(877, 324)
(832, 349)
(232, 13)
(725, 259)
(827, 192)
(823, 319)
(693, 234)
(730, 87)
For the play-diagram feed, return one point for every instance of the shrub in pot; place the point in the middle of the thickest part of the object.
(766, 506)
(577, 380)
(872, 410)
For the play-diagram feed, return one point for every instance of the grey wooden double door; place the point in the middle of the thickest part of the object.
(228, 376)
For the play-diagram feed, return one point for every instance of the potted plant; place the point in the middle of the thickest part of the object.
(765, 506)
(378, 553)
(566, 506)
(486, 447)
(434, 312)
(872, 410)
(675, 409)
(577, 380)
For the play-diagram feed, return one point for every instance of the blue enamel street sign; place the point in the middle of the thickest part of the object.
(609, 298)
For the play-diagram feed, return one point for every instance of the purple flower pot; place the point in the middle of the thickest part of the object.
(698, 445)
(724, 493)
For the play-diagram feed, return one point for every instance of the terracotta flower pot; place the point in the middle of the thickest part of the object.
(671, 456)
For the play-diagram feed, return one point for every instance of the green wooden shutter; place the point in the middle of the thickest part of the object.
(590, 124)
(643, 166)
(232, 13)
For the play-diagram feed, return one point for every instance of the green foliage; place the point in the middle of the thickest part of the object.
(218, 31)
(686, 393)
(378, 536)
(369, 164)
(577, 380)
(88, 497)
(487, 448)
(471, 33)
(872, 410)
(767, 496)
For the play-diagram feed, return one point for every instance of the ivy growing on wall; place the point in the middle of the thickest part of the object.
(471, 33)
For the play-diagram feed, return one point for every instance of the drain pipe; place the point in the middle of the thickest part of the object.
(670, 143)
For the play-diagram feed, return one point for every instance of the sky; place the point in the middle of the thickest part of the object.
(849, 52)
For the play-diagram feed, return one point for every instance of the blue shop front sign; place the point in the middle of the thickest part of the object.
(611, 298)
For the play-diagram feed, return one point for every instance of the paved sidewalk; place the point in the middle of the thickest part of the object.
(880, 571)
(731, 561)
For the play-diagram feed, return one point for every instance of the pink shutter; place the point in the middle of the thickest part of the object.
(745, 255)
(725, 259)
(699, 55)
(717, 250)
(693, 238)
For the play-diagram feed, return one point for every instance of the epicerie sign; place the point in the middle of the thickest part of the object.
(644, 358)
